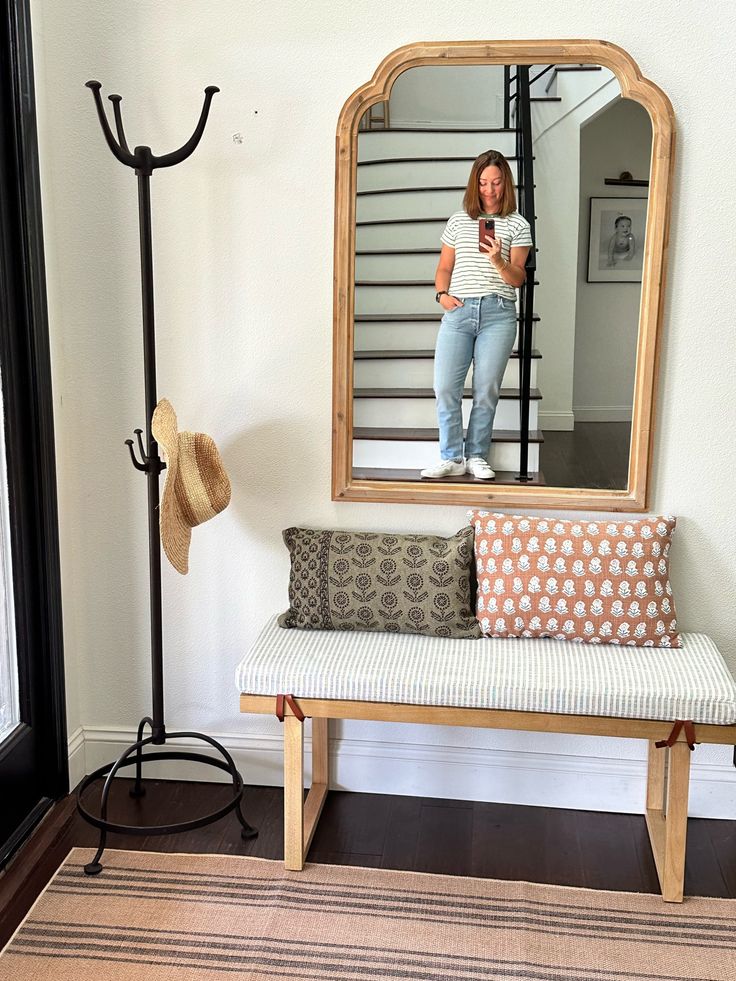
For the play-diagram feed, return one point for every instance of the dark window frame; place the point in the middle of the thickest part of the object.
(29, 440)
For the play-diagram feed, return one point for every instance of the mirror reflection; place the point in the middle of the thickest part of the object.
(500, 221)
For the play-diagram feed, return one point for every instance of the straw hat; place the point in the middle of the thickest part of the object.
(196, 489)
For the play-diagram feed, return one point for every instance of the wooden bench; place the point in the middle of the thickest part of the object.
(669, 697)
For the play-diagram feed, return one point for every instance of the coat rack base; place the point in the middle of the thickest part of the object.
(134, 756)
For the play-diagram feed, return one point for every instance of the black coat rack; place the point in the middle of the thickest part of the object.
(143, 161)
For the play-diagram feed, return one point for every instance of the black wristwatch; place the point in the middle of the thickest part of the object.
(441, 293)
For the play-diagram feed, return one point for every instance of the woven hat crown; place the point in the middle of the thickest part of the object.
(196, 488)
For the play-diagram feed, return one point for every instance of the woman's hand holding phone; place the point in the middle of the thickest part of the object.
(492, 248)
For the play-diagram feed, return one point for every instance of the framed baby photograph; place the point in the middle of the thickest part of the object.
(616, 239)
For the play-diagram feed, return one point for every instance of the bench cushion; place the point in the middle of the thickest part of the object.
(520, 674)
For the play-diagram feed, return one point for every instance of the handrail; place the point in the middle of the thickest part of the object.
(514, 78)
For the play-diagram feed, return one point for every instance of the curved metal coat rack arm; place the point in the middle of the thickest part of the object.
(116, 100)
(122, 153)
(176, 156)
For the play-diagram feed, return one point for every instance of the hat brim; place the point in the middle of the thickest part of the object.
(176, 535)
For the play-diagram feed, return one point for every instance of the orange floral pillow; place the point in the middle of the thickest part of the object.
(597, 582)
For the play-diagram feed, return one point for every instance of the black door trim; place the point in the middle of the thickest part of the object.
(29, 414)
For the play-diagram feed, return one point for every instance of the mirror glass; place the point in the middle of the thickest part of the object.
(591, 158)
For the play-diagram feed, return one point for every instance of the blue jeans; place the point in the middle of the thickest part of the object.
(483, 331)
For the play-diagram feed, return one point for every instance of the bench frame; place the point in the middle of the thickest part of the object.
(668, 769)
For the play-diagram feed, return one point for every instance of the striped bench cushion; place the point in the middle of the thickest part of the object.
(520, 674)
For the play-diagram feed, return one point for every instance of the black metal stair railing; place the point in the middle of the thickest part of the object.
(511, 97)
(525, 177)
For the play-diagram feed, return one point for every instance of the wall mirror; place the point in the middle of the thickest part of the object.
(589, 144)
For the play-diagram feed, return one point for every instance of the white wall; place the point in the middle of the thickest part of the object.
(471, 95)
(243, 251)
(557, 129)
(607, 314)
(58, 353)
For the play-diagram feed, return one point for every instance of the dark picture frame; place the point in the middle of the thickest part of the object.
(616, 230)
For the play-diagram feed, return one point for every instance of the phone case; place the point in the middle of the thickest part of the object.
(486, 231)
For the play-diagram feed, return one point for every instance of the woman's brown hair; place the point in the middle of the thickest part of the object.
(471, 202)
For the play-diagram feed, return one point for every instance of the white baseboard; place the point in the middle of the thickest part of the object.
(602, 413)
(458, 773)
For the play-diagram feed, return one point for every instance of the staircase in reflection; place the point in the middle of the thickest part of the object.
(410, 179)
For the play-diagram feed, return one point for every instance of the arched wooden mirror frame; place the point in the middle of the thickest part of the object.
(633, 86)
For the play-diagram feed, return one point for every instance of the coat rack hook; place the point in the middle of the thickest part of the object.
(116, 100)
(136, 463)
(141, 450)
(176, 156)
(123, 155)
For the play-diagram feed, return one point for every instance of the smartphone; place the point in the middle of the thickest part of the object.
(486, 231)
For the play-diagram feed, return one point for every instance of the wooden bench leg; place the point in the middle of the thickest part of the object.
(668, 825)
(678, 785)
(320, 752)
(293, 793)
(300, 816)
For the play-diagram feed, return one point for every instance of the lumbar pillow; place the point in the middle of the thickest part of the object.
(342, 580)
(599, 582)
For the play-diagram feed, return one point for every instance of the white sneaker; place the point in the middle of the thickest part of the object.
(445, 468)
(478, 467)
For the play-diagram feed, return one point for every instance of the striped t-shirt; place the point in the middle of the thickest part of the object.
(473, 273)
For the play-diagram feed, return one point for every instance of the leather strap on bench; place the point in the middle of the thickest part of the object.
(291, 702)
(688, 726)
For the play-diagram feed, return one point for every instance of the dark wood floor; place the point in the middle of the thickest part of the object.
(594, 454)
(504, 841)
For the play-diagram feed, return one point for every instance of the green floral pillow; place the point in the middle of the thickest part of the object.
(417, 584)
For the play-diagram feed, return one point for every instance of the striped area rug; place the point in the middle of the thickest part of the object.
(200, 917)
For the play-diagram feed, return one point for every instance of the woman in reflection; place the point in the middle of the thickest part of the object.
(484, 251)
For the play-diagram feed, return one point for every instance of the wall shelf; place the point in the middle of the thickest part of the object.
(620, 183)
